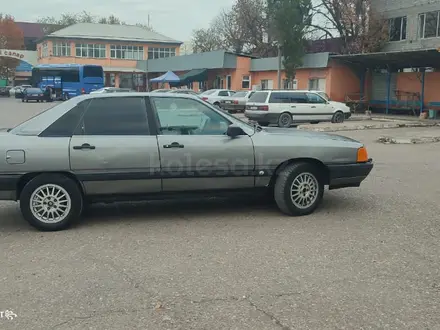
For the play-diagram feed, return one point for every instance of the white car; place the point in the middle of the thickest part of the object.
(111, 90)
(287, 107)
(214, 96)
(15, 89)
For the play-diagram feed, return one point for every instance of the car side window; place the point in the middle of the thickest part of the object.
(67, 123)
(115, 116)
(315, 98)
(181, 116)
(223, 93)
(298, 98)
(280, 97)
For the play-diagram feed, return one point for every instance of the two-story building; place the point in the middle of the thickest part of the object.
(117, 48)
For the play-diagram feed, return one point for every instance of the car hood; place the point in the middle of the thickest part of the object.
(337, 104)
(292, 132)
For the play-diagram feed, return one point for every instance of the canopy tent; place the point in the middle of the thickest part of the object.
(168, 77)
(191, 76)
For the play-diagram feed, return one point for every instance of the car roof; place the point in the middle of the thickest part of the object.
(134, 94)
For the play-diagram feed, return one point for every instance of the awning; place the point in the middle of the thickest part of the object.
(169, 77)
(394, 59)
(191, 76)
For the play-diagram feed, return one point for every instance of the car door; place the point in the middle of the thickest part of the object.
(319, 108)
(195, 152)
(112, 150)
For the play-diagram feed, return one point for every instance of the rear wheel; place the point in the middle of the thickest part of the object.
(217, 104)
(51, 202)
(285, 120)
(299, 189)
(338, 117)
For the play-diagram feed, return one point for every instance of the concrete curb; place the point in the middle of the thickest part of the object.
(389, 125)
(421, 140)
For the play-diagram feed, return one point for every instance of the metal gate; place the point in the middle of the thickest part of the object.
(379, 90)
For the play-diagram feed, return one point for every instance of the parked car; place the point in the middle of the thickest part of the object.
(214, 96)
(161, 90)
(184, 91)
(112, 90)
(287, 107)
(237, 102)
(4, 90)
(18, 91)
(34, 94)
(130, 146)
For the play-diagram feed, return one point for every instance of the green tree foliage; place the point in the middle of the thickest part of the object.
(289, 20)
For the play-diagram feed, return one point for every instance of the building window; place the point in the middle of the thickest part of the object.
(290, 84)
(160, 52)
(245, 82)
(61, 49)
(397, 28)
(90, 50)
(429, 25)
(127, 52)
(266, 84)
(44, 50)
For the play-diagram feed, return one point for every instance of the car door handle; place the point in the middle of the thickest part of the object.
(313, 106)
(84, 146)
(173, 145)
(293, 106)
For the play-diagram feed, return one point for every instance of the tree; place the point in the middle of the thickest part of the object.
(11, 37)
(52, 24)
(206, 40)
(289, 20)
(241, 29)
(360, 28)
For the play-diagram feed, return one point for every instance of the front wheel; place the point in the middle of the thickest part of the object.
(299, 189)
(51, 202)
(338, 117)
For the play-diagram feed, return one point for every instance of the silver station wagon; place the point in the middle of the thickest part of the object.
(136, 146)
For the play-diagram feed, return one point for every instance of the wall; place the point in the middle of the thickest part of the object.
(302, 76)
(411, 9)
(342, 81)
(107, 62)
(411, 82)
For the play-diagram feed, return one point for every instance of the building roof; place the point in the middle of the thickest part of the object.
(393, 60)
(310, 61)
(33, 30)
(218, 59)
(93, 31)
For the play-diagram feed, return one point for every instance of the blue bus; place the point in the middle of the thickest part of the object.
(68, 80)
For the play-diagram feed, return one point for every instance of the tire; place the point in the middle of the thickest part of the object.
(72, 201)
(22, 100)
(338, 117)
(286, 180)
(263, 123)
(216, 104)
(285, 120)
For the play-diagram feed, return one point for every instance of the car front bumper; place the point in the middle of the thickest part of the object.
(348, 175)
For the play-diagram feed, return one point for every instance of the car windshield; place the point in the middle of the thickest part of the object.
(240, 94)
(259, 97)
(209, 92)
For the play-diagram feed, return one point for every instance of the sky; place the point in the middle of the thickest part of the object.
(173, 18)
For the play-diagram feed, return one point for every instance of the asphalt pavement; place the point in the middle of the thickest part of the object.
(367, 259)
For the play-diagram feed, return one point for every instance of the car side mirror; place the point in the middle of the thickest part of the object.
(233, 131)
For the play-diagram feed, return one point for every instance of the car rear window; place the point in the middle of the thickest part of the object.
(33, 90)
(259, 97)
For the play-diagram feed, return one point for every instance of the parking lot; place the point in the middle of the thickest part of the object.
(367, 259)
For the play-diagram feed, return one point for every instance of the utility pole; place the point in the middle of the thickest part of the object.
(279, 66)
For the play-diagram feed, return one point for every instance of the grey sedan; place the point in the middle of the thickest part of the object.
(130, 146)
